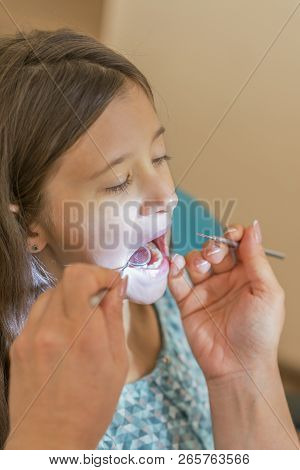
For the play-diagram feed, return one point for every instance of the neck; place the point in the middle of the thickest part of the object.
(136, 320)
(143, 340)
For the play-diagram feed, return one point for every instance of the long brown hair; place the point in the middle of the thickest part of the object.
(53, 86)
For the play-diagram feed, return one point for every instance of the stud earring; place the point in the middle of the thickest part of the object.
(34, 247)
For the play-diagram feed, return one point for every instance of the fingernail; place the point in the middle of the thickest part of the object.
(97, 298)
(177, 263)
(94, 300)
(229, 230)
(257, 231)
(202, 265)
(123, 287)
(213, 250)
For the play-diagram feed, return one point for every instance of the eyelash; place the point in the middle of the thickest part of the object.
(123, 186)
(120, 187)
(160, 160)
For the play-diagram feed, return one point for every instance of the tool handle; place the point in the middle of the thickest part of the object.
(234, 244)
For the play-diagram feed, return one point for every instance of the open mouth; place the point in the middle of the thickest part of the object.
(159, 251)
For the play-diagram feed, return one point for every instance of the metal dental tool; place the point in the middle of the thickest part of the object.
(140, 258)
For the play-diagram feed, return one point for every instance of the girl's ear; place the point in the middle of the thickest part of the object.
(36, 240)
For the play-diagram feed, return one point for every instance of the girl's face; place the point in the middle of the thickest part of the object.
(112, 193)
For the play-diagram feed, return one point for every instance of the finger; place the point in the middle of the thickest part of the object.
(80, 282)
(53, 314)
(50, 324)
(179, 281)
(234, 232)
(112, 307)
(39, 307)
(252, 255)
(201, 296)
(89, 327)
(219, 256)
(198, 268)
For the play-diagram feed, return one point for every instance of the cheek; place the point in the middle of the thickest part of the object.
(89, 230)
(75, 228)
(106, 238)
(168, 178)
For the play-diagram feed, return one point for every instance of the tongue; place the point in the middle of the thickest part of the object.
(140, 256)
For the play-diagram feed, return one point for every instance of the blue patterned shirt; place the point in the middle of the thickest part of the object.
(169, 407)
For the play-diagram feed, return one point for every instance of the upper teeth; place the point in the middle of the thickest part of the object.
(154, 248)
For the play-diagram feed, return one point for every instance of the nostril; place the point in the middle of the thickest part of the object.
(147, 209)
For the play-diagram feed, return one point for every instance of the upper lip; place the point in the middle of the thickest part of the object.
(158, 234)
(153, 237)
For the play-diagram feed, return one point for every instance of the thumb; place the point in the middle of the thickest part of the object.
(253, 257)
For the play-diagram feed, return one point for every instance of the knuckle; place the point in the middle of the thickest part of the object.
(74, 271)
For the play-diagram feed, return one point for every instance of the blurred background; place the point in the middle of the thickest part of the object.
(226, 79)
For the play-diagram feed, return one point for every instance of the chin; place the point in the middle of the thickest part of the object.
(148, 293)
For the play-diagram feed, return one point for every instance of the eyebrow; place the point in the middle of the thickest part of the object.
(121, 158)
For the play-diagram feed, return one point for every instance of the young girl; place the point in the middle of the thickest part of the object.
(85, 179)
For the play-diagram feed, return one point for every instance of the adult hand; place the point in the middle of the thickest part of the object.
(234, 313)
(233, 316)
(69, 364)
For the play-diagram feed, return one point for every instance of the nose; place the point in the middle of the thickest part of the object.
(160, 197)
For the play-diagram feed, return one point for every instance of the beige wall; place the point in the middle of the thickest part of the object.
(28, 14)
(197, 55)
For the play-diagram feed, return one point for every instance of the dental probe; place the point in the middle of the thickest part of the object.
(137, 261)
(234, 244)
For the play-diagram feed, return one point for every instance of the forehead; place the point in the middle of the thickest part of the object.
(126, 125)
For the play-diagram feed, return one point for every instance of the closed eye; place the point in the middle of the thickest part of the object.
(160, 160)
(120, 187)
(123, 186)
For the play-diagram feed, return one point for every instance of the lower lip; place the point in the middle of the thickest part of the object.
(156, 273)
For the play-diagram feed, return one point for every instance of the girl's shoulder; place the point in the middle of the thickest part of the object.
(187, 375)
(175, 343)
(169, 407)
